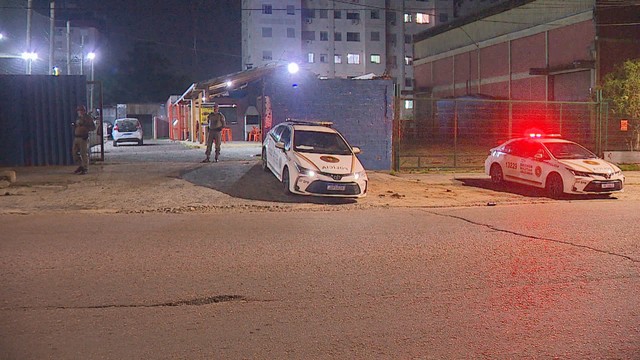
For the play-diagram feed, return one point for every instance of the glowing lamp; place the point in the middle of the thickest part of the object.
(293, 68)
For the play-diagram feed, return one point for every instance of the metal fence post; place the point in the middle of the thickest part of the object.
(395, 138)
(455, 134)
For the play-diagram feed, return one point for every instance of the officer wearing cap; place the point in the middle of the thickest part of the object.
(216, 122)
(83, 125)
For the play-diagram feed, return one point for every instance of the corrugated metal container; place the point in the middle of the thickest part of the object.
(36, 112)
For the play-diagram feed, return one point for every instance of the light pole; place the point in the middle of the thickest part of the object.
(91, 56)
(29, 57)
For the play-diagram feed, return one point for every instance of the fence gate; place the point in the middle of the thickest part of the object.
(94, 108)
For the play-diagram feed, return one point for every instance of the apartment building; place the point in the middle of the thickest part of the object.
(339, 39)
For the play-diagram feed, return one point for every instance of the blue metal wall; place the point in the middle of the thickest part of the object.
(362, 110)
(36, 112)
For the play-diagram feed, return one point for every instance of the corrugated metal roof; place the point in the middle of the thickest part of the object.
(218, 85)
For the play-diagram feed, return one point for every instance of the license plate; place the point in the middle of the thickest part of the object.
(608, 185)
(127, 134)
(336, 187)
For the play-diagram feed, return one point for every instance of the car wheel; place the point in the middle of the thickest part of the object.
(265, 167)
(554, 186)
(115, 143)
(285, 181)
(497, 177)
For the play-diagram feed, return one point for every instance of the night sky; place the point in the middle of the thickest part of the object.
(201, 38)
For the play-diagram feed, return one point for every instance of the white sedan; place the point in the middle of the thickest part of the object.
(557, 165)
(311, 158)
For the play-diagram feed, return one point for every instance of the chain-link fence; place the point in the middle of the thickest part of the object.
(98, 137)
(458, 133)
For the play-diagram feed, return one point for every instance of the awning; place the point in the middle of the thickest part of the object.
(222, 84)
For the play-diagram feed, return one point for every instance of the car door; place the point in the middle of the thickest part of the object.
(532, 155)
(512, 152)
(272, 151)
(282, 154)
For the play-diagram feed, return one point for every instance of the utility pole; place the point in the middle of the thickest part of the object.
(68, 47)
(29, 16)
(52, 19)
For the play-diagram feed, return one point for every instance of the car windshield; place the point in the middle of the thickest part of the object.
(320, 143)
(562, 150)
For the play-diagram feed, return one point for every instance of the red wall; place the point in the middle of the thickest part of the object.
(566, 45)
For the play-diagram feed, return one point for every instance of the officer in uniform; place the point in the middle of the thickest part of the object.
(83, 125)
(216, 122)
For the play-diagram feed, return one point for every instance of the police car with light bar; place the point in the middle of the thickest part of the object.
(312, 158)
(557, 165)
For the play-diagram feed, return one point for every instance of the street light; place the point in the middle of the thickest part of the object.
(29, 57)
(293, 68)
(91, 56)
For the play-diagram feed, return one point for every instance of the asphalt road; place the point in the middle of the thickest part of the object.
(530, 278)
(557, 280)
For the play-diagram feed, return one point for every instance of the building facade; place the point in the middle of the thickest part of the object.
(339, 39)
(528, 50)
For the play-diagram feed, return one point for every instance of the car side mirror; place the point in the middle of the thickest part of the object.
(356, 150)
(280, 145)
(538, 156)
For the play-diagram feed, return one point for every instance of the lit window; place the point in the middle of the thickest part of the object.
(408, 104)
(353, 59)
(310, 58)
(408, 60)
(375, 59)
(422, 18)
(408, 18)
(267, 9)
(337, 59)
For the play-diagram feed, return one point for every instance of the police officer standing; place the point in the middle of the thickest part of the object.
(216, 122)
(83, 125)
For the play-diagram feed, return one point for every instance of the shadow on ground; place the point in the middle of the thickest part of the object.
(523, 190)
(246, 180)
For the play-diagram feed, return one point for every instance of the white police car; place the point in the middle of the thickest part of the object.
(311, 158)
(557, 165)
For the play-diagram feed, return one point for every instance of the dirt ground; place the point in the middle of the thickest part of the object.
(238, 184)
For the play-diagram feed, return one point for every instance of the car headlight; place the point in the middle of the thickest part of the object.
(580, 173)
(360, 175)
(304, 171)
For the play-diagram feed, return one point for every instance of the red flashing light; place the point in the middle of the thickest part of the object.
(536, 136)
